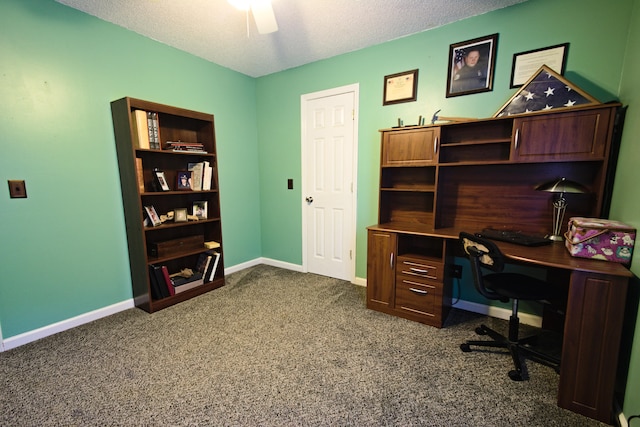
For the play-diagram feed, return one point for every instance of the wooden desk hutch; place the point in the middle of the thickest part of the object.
(436, 181)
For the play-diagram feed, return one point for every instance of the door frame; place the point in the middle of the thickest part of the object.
(304, 99)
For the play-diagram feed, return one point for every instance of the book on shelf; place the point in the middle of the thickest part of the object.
(139, 174)
(182, 284)
(167, 280)
(207, 176)
(197, 170)
(213, 267)
(158, 285)
(201, 264)
(211, 244)
(141, 134)
(192, 147)
(155, 130)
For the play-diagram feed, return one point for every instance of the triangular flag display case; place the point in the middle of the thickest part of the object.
(546, 90)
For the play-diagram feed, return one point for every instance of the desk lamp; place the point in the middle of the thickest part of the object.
(560, 186)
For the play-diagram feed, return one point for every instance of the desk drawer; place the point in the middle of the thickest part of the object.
(419, 268)
(418, 298)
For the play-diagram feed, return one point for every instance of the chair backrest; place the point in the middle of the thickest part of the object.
(482, 253)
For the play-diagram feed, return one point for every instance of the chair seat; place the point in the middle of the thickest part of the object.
(520, 286)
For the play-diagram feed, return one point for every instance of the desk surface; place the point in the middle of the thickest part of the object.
(554, 255)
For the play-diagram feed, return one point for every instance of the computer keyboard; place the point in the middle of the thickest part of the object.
(513, 236)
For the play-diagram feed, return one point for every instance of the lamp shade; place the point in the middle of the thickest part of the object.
(562, 185)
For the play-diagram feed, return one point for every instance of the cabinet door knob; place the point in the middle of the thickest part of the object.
(309, 200)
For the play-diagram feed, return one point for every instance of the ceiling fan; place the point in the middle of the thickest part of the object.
(262, 14)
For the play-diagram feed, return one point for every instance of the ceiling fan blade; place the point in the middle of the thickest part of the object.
(264, 17)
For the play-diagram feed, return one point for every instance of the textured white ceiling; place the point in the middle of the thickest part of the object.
(309, 30)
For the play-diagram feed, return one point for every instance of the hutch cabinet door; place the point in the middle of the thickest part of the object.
(562, 137)
(381, 250)
(415, 147)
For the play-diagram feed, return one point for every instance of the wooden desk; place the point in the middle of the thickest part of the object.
(593, 320)
(592, 328)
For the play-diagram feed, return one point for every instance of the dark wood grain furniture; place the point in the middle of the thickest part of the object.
(175, 124)
(436, 181)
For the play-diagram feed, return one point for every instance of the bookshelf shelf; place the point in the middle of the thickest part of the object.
(141, 189)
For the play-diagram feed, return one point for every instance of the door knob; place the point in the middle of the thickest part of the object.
(309, 200)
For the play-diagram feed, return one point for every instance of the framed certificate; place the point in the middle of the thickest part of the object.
(526, 64)
(400, 87)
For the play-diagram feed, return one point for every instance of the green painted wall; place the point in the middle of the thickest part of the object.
(519, 30)
(626, 201)
(64, 250)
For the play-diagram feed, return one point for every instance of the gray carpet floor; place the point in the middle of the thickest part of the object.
(272, 348)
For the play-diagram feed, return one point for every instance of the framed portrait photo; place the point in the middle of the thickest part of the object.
(400, 87)
(183, 180)
(161, 180)
(471, 66)
(153, 216)
(525, 64)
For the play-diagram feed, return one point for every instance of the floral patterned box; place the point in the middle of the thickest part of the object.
(604, 239)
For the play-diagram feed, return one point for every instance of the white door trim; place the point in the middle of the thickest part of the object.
(304, 99)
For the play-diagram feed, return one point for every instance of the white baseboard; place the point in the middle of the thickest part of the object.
(498, 312)
(45, 331)
(360, 281)
(73, 322)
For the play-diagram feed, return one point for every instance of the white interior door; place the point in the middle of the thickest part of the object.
(328, 189)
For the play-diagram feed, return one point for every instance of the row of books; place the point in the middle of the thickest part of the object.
(191, 147)
(147, 134)
(201, 175)
(165, 285)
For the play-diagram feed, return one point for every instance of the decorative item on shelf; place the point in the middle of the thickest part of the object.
(560, 187)
(437, 118)
(175, 246)
(180, 215)
(183, 180)
(546, 90)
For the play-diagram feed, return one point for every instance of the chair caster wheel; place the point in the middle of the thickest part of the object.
(481, 331)
(515, 375)
(465, 347)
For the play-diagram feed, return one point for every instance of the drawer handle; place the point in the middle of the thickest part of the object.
(418, 270)
(418, 291)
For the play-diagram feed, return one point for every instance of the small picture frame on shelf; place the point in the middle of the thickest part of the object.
(161, 180)
(183, 180)
(153, 216)
(180, 215)
(200, 209)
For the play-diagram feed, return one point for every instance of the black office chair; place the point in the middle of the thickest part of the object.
(483, 253)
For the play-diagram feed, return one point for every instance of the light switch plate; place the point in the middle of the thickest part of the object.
(17, 189)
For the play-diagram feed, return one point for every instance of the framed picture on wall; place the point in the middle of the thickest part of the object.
(400, 87)
(525, 64)
(471, 66)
